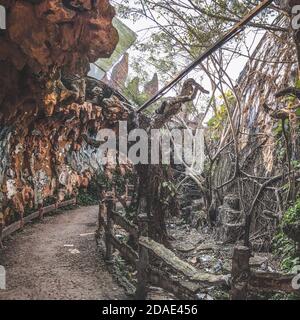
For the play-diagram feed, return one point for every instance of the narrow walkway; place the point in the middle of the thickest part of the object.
(58, 259)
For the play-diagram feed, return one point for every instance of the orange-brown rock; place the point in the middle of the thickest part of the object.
(47, 157)
(59, 33)
(46, 40)
(44, 59)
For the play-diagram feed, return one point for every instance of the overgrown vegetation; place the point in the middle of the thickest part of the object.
(85, 198)
(292, 215)
(184, 29)
(284, 247)
(217, 122)
(132, 91)
(90, 196)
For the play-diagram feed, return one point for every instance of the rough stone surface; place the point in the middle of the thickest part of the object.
(292, 231)
(53, 32)
(230, 221)
(45, 99)
(258, 84)
(232, 201)
(45, 42)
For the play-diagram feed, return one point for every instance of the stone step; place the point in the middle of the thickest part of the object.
(229, 215)
(197, 204)
(198, 219)
(231, 233)
(232, 201)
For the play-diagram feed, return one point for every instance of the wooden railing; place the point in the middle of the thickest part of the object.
(37, 214)
(189, 280)
(244, 279)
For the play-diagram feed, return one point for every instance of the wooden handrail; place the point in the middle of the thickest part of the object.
(179, 266)
(244, 279)
(17, 225)
(271, 282)
(183, 289)
(192, 280)
(127, 252)
(125, 224)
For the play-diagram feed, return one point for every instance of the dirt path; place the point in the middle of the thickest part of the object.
(40, 265)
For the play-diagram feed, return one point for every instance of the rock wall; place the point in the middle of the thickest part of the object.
(272, 67)
(262, 151)
(46, 101)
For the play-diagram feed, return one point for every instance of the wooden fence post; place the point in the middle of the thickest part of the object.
(126, 190)
(1, 228)
(41, 211)
(240, 273)
(55, 205)
(114, 195)
(76, 196)
(109, 229)
(143, 263)
(101, 213)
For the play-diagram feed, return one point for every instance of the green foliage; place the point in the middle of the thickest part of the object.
(90, 196)
(217, 122)
(125, 274)
(280, 142)
(292, 215)
(277, 129)
(285, 296)
(181, 30)
(133, 93)
(169, 190)
(49, 201)
(297, 83)
(272, 296)
(290, 99)
(219, 294)
(85, 198)
(296, 164)
(284, 247)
